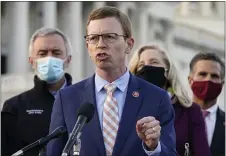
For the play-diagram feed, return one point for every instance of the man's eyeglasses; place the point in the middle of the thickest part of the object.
(107, 38)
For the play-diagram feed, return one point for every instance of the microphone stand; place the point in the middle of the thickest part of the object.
(42, 142)
(76, 147)
(42, 151)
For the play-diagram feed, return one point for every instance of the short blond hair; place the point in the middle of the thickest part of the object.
(175, 82)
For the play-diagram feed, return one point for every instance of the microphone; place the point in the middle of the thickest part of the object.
(85, 114)
(55, 134)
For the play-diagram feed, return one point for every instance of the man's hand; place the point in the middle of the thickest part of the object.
(148, 129)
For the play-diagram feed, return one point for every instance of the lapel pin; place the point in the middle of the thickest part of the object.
(135, 94)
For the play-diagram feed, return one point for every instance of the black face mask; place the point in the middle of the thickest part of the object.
(152, 74)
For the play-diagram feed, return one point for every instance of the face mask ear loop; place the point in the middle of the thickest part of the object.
(64, 62)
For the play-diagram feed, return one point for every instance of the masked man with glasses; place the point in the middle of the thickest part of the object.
(29, 112)
(125, 122)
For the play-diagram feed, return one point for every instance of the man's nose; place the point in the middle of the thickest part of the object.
(50, 53)
(101, 43)
(208, 78)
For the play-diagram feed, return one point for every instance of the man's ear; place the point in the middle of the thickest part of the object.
(130, 43)
(86, 45)
(32, 62)
(88, 49)
(68, 61)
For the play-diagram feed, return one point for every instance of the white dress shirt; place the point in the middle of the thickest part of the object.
(210, 121)
(120, 95)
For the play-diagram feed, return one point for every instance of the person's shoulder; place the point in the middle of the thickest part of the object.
(195, 107)
(19, 97)
(187, 109)
(195, 113)
(77, 86)
(221, 113)
(154, 93)
(149, 87)
(15, 101)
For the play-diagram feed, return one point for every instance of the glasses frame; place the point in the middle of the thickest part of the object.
(101, 35)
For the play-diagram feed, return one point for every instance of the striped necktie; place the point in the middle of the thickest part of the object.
(110, 119)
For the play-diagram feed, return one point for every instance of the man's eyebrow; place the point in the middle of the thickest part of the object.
(103, 32)
(56, 49)
(202, 72)
(42, 49)
(212, 73)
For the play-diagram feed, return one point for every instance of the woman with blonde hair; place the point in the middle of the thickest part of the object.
(152, 64)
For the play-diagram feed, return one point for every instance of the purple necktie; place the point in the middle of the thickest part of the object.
(205, 114)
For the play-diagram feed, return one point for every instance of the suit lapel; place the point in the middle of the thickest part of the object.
(218, 131)
(94, 125)
(129, 114)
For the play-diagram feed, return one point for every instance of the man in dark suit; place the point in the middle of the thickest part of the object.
(130, 113)
(207, 73)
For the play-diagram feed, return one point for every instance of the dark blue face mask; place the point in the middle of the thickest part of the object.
(153, 74)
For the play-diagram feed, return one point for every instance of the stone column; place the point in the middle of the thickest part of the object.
(205, 8)
(98, 4)
(184, 8)
(220, 9)
(144, 25)
(18, 53)
(50, 14)
(170, 37)
(125, 7)
(74, 29)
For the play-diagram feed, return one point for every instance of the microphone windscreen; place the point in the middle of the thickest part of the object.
(87, 110)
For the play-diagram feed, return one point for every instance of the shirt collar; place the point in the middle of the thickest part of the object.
(121, 82)
(64, 85)
(212, 109)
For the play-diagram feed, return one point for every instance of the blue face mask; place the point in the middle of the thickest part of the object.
(50, 69)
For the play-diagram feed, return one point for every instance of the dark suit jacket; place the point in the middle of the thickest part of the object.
(218, 142)
(152, 101)
(190, 128)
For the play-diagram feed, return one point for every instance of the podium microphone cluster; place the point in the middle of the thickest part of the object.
(85, 114)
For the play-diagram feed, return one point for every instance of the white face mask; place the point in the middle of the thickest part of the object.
(50, 69)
